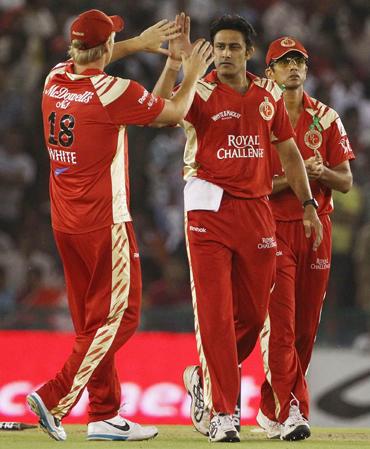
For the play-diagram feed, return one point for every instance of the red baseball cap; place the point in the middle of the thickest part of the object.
(282, 46)
(93, 27)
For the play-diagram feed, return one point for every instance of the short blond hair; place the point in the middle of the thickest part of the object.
(81, 56)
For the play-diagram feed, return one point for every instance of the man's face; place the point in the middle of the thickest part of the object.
(230, 52)
(290, 70)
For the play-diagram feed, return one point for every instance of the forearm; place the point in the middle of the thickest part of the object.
(279, 183)
(126, 48)
(184, 97)
(167, 80)
(297, 178)
(337, 180)
(295, 170)
(178, 106)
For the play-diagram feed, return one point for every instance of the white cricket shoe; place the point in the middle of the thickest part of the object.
(272, 428)
(222, 429)
(48, 423)
(119, 429)
(199, 415)
(296, 427)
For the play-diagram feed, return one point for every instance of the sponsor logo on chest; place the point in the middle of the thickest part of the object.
(226, 115)
(239, 147)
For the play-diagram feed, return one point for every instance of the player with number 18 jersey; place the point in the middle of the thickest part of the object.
(85, 117)
(89, 187)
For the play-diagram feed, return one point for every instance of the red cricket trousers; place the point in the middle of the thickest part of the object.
(232, 269)
(103, 279)
(294, 313)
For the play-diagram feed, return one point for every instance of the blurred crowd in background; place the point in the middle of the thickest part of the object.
(34, 37)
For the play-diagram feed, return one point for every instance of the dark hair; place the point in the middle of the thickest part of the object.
(233, 22)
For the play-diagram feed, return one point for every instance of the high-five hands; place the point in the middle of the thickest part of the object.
(181, 44)
(200, 59)
(153, 37)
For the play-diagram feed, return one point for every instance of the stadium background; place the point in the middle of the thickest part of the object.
(34, 37)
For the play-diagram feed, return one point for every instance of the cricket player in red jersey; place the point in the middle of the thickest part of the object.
(302, 274)
(85, 113)
(230, 229)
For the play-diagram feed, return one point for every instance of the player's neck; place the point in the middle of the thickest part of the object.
(238, 82)
(293, 99)
(97, 65)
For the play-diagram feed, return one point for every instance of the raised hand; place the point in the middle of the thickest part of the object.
(153, 37)
(181, 44)
(200, 59)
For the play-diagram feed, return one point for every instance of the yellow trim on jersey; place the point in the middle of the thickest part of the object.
(204, 89)
(326, 114)
(120, 210)
(207, 385)
(265, 341)
(117, 88)
(191, 148)
(271, 87)
(104, 335)
(60, 68)
(328, 118)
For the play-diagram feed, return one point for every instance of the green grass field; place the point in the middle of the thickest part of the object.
(179, 437)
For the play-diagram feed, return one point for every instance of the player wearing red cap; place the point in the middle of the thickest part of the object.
(85, 114)
(230, 230)
(302, 274)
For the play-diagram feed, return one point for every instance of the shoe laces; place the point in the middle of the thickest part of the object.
(273, 425)
(294, 412)
(222, 419)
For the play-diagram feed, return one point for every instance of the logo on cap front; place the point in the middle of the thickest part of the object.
(266, 109)
(287, 42)
(313, 139)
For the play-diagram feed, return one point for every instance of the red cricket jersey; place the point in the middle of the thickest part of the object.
(319, 127)
(85, 118)
(229, 135)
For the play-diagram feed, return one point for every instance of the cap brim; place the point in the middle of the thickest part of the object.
(118, 23)
(289, 50)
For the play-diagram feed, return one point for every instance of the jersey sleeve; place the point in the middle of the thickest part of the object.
(281, 128)
(129, 103)
(338, 146)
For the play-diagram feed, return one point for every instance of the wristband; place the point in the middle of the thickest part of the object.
(311, 201)
(173, 64)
